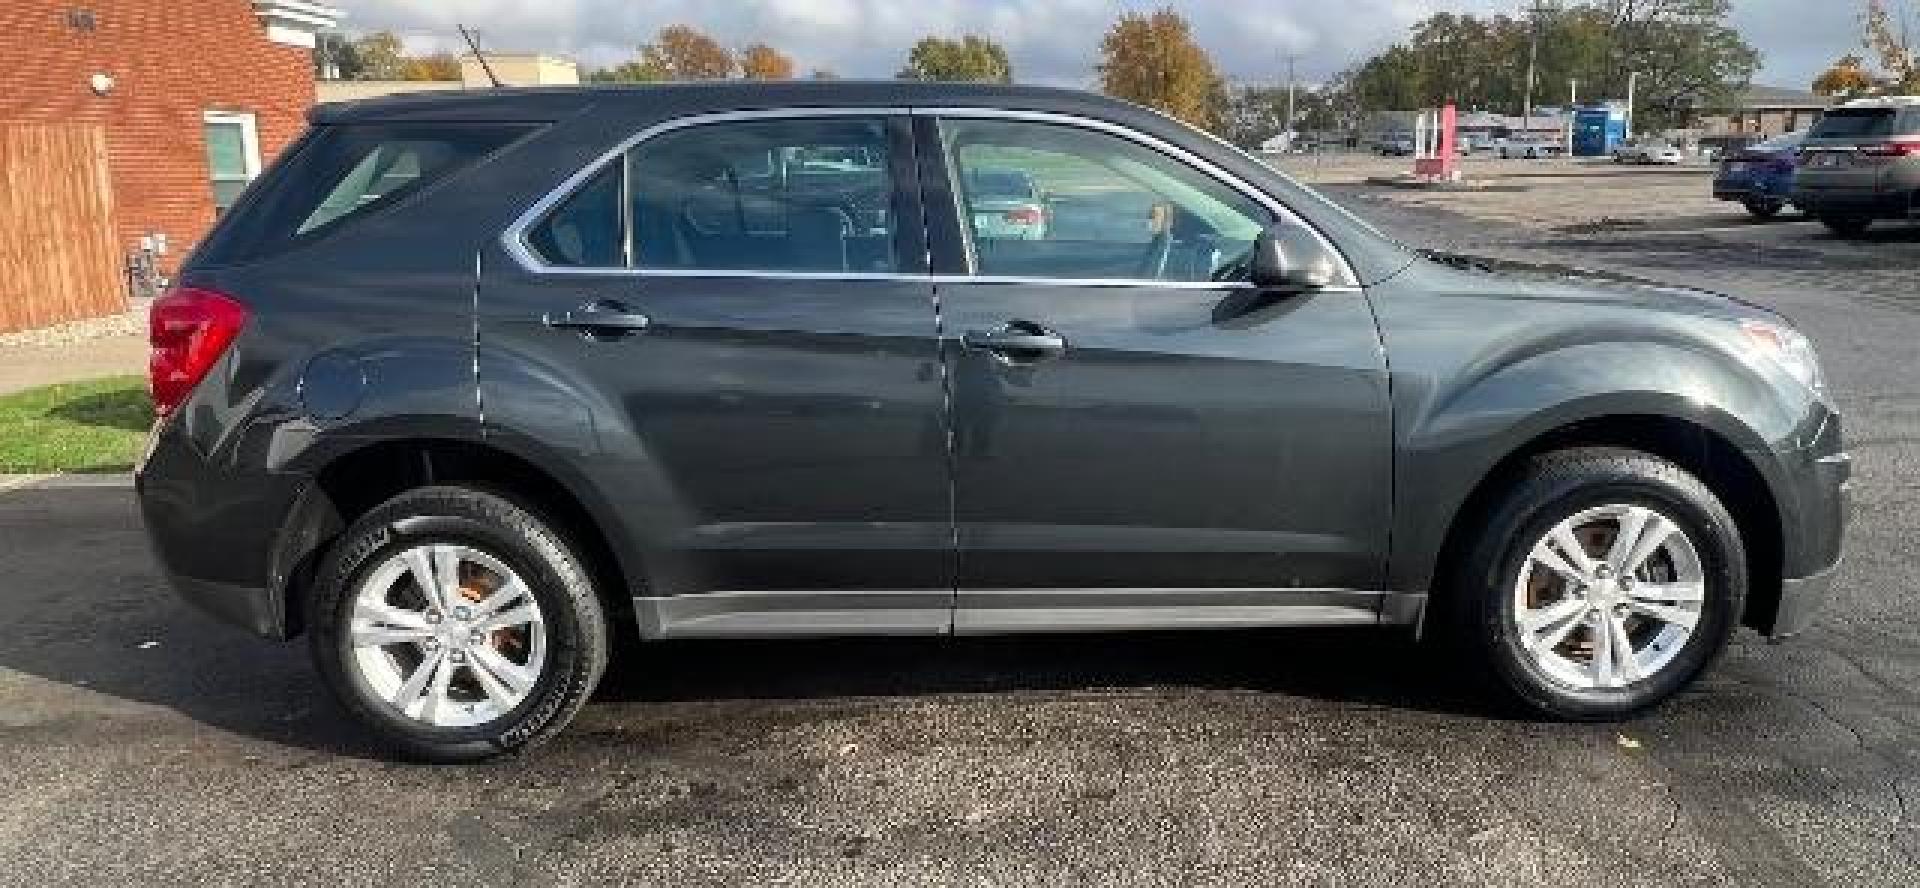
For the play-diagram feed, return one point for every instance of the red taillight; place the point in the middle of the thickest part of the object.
(1025, 216)
(1893, 149)
(189, 329)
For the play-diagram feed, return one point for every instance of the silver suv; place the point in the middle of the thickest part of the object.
(1861, 162)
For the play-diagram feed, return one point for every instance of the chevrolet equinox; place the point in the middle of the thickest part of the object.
(471, 386)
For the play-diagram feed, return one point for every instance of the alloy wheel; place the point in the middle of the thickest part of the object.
(447, 635)
(1609, 597)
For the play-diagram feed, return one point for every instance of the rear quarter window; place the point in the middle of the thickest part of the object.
(344, 172)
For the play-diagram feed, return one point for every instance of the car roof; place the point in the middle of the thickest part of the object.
(1884, 102)
(546, 103)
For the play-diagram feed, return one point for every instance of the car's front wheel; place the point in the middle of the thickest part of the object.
(457, 624)
(1603, 582)
(1764, 208)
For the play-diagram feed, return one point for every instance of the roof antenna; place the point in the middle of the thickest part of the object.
(477, 54)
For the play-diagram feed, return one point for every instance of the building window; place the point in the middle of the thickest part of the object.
(233, 155)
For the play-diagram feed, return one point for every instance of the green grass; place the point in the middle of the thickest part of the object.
(93, 426)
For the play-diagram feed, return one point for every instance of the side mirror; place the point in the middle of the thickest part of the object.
(1289, 257)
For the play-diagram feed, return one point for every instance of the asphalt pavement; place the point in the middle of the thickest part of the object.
(145, 744)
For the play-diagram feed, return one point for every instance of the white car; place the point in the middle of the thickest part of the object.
(1531, 149)
(1649, 153)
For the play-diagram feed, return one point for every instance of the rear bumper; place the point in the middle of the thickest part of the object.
(1855, 202)
(214, 530)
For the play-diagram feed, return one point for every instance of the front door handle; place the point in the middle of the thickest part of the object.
(1017, 342)
(599, 318)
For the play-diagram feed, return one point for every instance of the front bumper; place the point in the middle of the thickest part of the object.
(1825, 506)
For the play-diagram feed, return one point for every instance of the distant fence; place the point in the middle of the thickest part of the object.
(58, 257)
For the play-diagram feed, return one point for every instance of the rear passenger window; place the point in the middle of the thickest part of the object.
(810, 194)
(584, 231)
(344, 171)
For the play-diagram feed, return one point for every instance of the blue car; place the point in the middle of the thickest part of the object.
(1760, 177)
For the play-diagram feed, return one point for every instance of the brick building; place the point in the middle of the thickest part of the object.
(195, 96)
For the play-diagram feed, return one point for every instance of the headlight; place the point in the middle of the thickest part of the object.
(1788, 349)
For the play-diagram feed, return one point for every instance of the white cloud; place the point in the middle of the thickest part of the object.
(1051, 41)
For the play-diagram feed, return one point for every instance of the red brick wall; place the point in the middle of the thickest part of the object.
(171, 61)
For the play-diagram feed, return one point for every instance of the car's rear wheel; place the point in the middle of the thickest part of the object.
(1764, 208)
(1847, 226)
(457, 625)
(1603, 582)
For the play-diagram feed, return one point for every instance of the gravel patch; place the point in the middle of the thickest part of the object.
(131, 323)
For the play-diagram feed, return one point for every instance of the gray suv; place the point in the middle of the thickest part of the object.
(1861, 162)
(471, 387)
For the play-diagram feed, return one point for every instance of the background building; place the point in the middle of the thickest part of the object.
(1767, 111)
(194, 98)
(513, 69)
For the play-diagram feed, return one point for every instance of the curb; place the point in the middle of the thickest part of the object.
(107, 481)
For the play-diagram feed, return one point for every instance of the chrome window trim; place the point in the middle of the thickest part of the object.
(513, 239)
(1234, 183)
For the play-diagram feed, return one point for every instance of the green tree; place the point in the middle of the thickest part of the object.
(1152, 59)
(381, 55)
(678, 52)
(968, 59)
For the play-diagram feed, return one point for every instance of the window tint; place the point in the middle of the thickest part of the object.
(584, 231)
(1099, 206)
(1854, 123)
(806, 194)
(342, 172)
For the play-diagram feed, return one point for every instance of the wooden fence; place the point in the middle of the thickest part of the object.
(59, 259)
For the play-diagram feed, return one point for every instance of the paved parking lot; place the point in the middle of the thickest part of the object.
(144, 744)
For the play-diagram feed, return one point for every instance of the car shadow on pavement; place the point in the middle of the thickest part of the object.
(1365, 667)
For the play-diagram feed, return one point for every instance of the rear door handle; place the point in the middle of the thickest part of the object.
(604, 317)
(1017, 341)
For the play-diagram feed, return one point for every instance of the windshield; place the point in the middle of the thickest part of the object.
(1787, 142)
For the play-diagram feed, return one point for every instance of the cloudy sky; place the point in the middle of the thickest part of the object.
(1051, 41)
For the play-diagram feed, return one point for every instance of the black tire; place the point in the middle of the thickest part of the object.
(1477, 597)
(1847, 226)
(1762, 208)
(558, 580)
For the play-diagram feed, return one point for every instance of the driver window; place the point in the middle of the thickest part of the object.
(1045, 200)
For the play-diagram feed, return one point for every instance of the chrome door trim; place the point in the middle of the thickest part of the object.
(828, 613)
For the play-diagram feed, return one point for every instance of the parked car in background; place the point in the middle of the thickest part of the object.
(1395, 146)
(473, 385)
(1005, 204)
(1760, 177)
(1861, 162)
(1652, 151)
(1529, 149)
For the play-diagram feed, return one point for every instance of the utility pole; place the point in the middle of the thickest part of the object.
(1573, 101)
(1633, 78)
(1533, 56)
(1288, 127)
